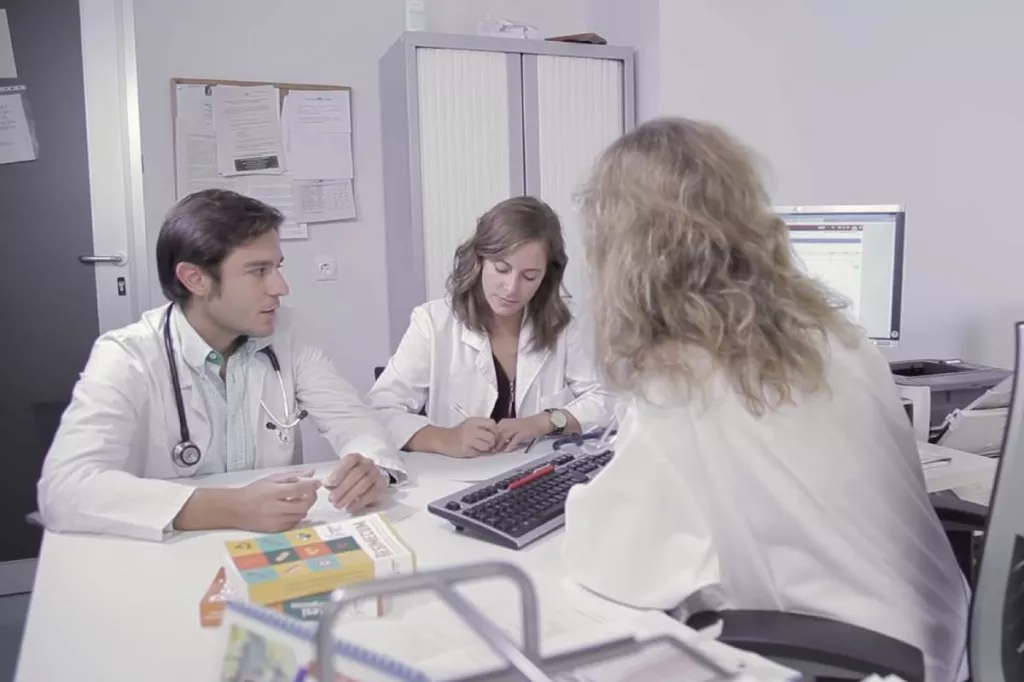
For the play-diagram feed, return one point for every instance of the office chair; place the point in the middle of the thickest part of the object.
(996, 631)
(819, 648)
(377, 371)
(997, 613)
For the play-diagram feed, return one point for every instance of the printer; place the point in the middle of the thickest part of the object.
(938, 388)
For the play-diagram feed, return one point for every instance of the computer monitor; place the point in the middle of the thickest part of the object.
(858, 252)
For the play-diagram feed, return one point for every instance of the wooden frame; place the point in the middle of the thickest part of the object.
(283, 90)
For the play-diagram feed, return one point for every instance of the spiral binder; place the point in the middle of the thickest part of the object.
(306, 633)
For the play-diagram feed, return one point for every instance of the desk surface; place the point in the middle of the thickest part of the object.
(108, 608)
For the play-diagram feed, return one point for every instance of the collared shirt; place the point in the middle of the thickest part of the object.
(232, 446)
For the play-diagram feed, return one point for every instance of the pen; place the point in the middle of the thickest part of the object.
(458, 408)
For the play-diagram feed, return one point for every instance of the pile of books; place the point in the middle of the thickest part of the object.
(296, 572)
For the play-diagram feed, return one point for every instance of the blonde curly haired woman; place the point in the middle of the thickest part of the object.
(764, 461)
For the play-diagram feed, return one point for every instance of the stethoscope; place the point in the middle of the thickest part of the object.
(187, 454)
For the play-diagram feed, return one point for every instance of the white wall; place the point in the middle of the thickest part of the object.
(913, 102)
(633, 24)
(310, 41)
(550, 17)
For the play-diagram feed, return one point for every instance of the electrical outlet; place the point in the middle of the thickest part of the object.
(326, 268)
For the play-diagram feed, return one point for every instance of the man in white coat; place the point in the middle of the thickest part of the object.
(217, 381)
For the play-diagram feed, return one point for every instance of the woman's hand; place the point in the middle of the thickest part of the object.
(513, 434)
(473, 437)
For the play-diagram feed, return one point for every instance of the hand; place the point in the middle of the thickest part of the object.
(515, 433)
(472, 437)
(276, 503)
(356, 483)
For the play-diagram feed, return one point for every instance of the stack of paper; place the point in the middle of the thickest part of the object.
(295, 156)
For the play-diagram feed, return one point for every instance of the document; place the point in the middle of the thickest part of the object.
(293, 230)
(323, 511)
(320, 201)
(195, 141)
(247, 121)
(275, 191)
(17, 141)
(8, 69)
(317, 127)
(469, 470)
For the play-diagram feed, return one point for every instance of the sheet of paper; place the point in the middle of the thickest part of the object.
(564, 609)
(323, 511)
(293, 230)
(468, 470)
(274, 190)
(248, 125)
(8, 69)
(324, 157)
(570, 620)
(17, 142)
(320, 201)
(933, 461)
(195, 141)
(979, 493)
(318, 112)
(317, 127)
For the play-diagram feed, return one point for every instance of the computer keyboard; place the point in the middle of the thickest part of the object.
(523, 504)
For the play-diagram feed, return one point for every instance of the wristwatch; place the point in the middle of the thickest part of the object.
(558, 420)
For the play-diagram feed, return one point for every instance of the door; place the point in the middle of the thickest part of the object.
(49, 304)
(574, 108)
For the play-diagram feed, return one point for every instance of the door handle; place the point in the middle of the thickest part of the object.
(116, 259)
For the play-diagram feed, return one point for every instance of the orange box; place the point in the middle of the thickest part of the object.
(211, 607)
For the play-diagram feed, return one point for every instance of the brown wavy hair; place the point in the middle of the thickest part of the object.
(499, 232)
(692, 270)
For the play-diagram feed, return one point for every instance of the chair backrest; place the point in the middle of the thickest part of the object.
(377, 371)
(997, 613)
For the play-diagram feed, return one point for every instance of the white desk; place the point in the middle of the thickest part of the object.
(108, 609)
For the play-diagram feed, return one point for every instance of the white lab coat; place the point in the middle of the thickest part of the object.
(440, 363)
(818, 508)
(109, 469)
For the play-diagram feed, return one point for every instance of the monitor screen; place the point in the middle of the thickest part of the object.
(858, 252)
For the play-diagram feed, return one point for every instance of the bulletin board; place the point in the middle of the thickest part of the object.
(286, 144)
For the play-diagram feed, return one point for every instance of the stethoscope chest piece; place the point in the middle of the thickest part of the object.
(186, 454)
(285, 436)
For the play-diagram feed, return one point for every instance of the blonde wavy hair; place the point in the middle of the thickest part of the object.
(500, 231)
(692, 270)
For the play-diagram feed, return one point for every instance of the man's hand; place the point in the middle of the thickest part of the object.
(356, 483)
(270, 505)
(513, 434)
(472, 437)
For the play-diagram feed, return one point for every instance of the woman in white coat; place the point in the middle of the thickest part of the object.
(763, 460)
(502, 359)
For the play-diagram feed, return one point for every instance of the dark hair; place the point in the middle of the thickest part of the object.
(203, 229)
(501, 230)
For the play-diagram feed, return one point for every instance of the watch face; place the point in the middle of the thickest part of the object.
(559, 419)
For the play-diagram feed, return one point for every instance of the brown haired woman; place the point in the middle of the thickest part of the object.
(501, 360)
